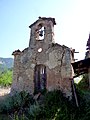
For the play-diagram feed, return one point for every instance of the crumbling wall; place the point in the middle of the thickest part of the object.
(59, 69)
(57, 60)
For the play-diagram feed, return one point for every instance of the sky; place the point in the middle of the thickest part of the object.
(72, 18)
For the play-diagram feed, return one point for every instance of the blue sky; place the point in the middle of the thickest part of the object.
(72, 18)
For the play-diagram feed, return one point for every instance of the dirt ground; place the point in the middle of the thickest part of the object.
(4, 91)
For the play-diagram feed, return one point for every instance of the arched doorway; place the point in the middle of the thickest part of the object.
(40, 78)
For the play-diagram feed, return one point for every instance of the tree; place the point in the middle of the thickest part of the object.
(6, 78)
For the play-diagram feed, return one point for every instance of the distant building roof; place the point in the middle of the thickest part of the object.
(81, 67)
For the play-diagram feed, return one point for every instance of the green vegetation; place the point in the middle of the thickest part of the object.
(48, 106)
(84, 83)
(6, 78)
(51, 106)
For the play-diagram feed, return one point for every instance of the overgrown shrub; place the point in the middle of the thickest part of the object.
(22, 106)
(16, 102)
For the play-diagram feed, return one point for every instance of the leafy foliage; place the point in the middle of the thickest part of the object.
(6, 78)
(50, 106)
(22, 106)
(84, 83)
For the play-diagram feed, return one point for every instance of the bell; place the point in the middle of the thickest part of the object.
(41, 33)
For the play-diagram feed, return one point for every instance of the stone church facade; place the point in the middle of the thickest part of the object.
(44, 65)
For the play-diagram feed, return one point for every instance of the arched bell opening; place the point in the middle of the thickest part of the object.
(40, 32)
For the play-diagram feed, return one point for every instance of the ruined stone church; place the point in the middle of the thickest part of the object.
(44, 65)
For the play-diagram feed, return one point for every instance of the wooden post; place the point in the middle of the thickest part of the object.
(89, 76)
(75, 95)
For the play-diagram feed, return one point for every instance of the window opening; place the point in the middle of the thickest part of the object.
(40, 50)
(40, 78)
(40, 32)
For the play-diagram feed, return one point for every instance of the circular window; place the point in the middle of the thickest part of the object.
(40, 50)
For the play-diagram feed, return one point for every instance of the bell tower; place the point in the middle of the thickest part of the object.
(42, 32)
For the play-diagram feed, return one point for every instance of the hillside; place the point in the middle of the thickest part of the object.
(5, 63)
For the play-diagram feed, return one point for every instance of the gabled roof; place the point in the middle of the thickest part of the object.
(44, 18)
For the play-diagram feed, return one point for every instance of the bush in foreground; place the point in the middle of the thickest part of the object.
(50, 106)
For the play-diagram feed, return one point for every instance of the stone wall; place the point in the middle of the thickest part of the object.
(57, 60)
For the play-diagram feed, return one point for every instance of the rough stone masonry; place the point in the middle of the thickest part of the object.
(44, 65)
